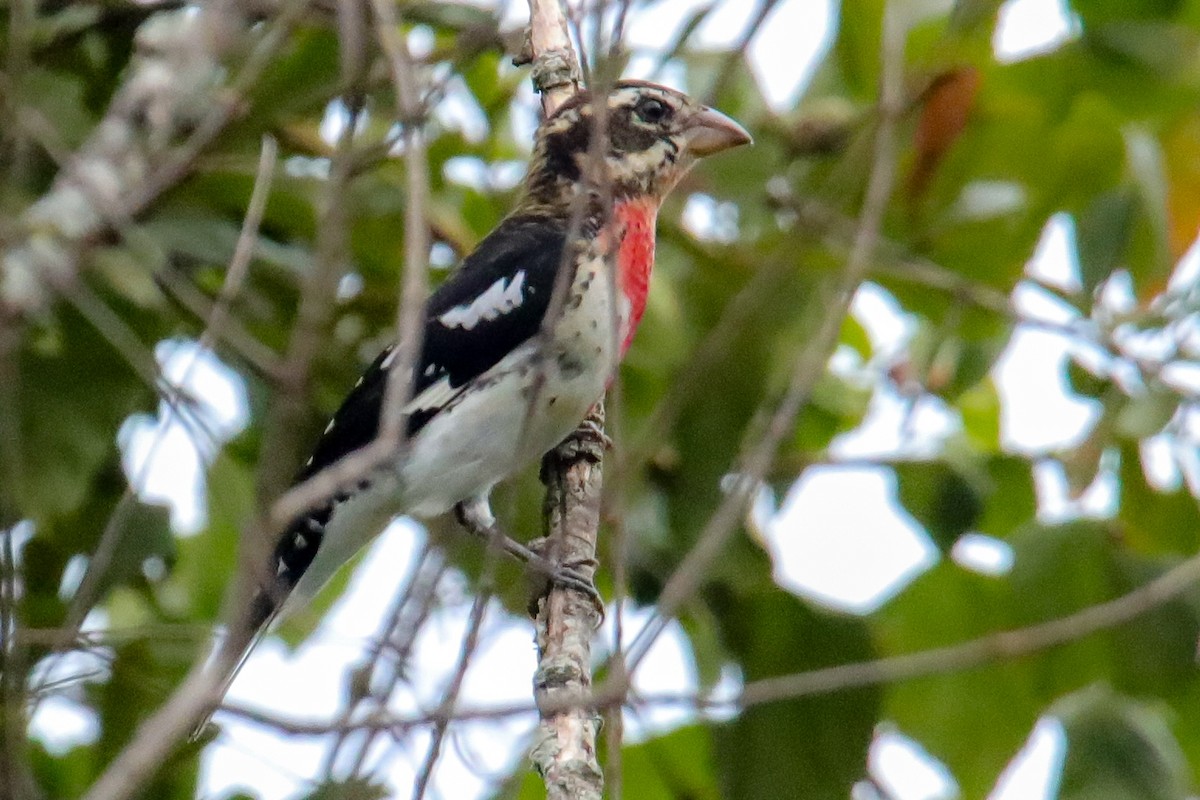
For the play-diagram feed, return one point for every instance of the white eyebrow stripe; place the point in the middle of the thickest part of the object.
(500, 298)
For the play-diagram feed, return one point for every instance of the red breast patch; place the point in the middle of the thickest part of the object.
(635, 218)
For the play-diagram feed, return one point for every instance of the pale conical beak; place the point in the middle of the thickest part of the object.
(709, 131)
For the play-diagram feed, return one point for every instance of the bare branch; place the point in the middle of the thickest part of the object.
(175, 89)
(555, 68)
(450, 698)
(987, 649)
(564, 750)
(367, 683)
(155, 737)
(409, 319)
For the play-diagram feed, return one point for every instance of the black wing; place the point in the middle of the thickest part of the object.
(495, 301)
(516, 263)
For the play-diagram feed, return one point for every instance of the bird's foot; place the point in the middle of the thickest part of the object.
(575, 575)
(476, 516)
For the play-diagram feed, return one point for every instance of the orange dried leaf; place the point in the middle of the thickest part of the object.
(946, 107)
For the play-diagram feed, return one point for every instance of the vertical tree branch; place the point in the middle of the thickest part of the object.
(555, 68)
(564, 751)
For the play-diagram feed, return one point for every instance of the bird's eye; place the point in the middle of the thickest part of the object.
(652, 111)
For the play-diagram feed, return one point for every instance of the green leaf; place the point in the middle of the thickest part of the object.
(1147, 414)
(208, 560)
(979, 408)
(857, 46)
(142, 532)
(142, 674)
(1150, 261)
(1102, 235)
(68, 438)
(1118, 749)
(678, 764)
(1084, 382)
(1154, 521)
(809, 748)
(940, 499)
(1163, 48)
(1058, 570)
(354, 789)
(66, 775)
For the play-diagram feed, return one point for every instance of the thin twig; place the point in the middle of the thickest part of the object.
(450, 698)
(86, 595)
(987, 649)
(233, 335)
(410, 319)
(397, 638)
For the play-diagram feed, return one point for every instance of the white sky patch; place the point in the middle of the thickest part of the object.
(335, 120)
(349, 286)
(1035, 771)
(1038, 412)
(1027, 28)
(72, 576)
(907, 771)
(500, 298)
(842, 540)
(888, 326)
(421, 40)
(458, 111)
(165, 456)
(981, 200)
(894, 424)
(1054, 260)
(983, 554)
(1187, 270)
(709, 220)
(1054, 500)
(801, 29)
(474, 173)
(1157, 456)
(804, 30)
(668, 668)
(898, 426)
(61, 724)
(468, 171)
(442, 256)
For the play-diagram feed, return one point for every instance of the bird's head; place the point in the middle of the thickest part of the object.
(654, 135)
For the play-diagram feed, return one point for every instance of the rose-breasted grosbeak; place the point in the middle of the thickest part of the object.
(491, 390)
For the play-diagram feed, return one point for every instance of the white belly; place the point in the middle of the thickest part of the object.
(467, 448)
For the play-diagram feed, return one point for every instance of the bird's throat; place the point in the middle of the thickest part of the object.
(634, 220)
